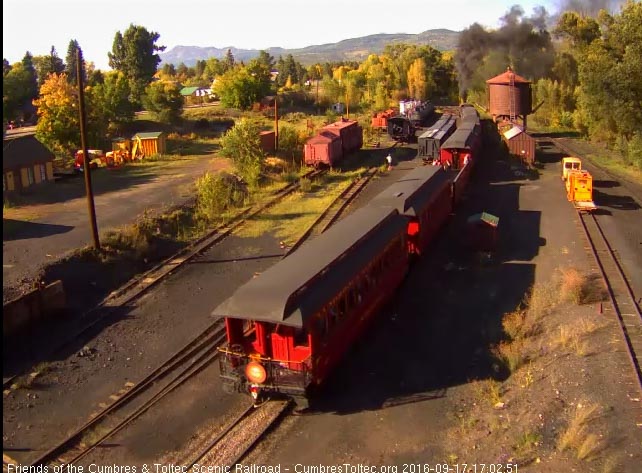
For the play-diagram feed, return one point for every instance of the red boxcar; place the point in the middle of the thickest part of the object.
(380, 119)
(350, 132)
(325, 148)
(288, 327)
(424, 196)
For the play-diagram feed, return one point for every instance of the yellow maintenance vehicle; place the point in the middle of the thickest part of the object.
(579, 190)
(570, 163)
(124, 150)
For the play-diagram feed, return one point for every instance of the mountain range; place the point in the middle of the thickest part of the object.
(355, 49)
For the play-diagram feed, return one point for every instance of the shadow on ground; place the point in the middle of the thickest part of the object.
(441, 329)
(21, 229)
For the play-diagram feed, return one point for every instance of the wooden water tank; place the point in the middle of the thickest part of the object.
(500, 89)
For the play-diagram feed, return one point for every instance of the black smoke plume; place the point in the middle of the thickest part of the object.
(521, 42)
(589, 7)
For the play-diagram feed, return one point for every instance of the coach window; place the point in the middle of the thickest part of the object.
(300, 337)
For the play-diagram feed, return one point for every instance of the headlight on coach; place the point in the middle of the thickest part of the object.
(255, 372)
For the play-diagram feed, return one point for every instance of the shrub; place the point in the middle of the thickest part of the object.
(572, 284)
(216, 193)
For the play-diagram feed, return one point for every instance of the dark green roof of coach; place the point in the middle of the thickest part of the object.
(297, 287)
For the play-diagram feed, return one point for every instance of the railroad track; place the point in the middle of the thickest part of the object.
(238, 438)
(332, 213)
(619, 290)
(180, 367)
(187, 362)
(139, 285)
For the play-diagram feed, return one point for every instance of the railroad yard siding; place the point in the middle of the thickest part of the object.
(134, 341)
(388, 404)
(620, 214)
(398, 395)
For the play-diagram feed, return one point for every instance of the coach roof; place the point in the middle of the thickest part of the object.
(414, 191)
(299, 285)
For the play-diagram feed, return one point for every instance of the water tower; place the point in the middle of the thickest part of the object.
(510, 98)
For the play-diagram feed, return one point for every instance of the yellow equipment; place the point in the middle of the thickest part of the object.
(570, 163)
(579, 190)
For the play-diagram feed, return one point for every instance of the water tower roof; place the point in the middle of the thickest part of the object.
(504, 78)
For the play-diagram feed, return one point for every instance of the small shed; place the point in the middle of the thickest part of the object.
(25, 162)
(520, 144)
(151, 142)
(482, 231)
(267, 141)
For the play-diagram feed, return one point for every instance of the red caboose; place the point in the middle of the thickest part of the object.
(325, 148)
(290, 326)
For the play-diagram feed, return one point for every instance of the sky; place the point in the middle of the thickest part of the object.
(36, 25)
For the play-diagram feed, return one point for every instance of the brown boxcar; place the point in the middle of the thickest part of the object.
(520, 144)
(350, 133)
(325, 148)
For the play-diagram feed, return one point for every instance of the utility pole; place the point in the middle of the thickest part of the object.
(347, 105)
(85, 151)
(276, 123)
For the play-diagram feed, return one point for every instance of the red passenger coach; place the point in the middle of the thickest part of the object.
(325, 148)
(461, 147)
(288, 327)
(424, 196)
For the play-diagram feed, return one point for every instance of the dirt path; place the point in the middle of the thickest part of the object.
(40, 233)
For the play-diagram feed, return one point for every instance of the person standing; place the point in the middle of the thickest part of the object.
(389, 161)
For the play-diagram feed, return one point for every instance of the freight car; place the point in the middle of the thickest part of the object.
(349, 131)
(380, 120)
(429, 142)
(323, 149)
(290, 326)
(333, 143)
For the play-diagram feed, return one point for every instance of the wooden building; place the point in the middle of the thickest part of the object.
(151, 143)
(520, 144)
(25, 162)
(268, 143)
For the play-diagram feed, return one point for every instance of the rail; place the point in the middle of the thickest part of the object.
(185, 363)
(619, 290)
(137, 286)
(238, 438)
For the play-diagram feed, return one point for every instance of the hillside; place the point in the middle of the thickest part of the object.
(355, 49)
